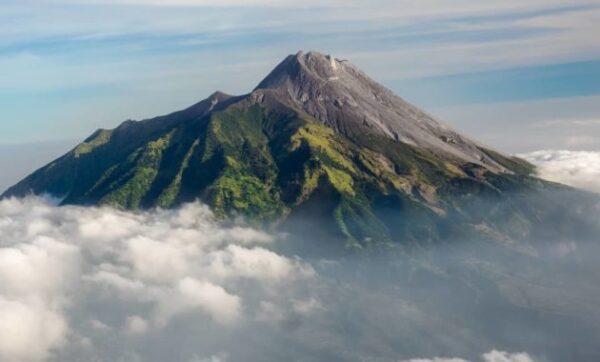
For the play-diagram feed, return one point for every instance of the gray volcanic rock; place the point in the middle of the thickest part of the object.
(338, 94)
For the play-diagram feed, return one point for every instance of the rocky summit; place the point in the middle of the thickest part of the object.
(317, 143)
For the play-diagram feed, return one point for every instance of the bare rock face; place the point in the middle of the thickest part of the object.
(339, 95)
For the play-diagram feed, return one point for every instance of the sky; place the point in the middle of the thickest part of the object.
(519, 76)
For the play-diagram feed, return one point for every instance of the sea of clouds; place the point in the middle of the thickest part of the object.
(73, 277)
(98, 284)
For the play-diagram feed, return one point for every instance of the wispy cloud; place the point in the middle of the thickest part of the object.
(492, 356)
(418, 27)
(577, 122)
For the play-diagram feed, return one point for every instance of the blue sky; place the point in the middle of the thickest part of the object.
(496, 70)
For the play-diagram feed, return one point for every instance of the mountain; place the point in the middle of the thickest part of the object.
(317, 142)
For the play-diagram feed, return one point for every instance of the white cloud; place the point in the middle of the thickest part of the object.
(257, 263)
(213, 3)
(29, 330)
(436, 359)
(579, 122)
(492, 356)
(99, 326)
(575, 168)
(61, 268)
(501, 356)
(35, 279)
(92, 20)
(213, 299)
(78, 284)
(222, 357)
(136, 325)
(425, 7)
(155, 260)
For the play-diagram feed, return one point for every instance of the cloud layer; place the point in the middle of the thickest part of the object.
(575, 168)
(97, 284)
(151, 268)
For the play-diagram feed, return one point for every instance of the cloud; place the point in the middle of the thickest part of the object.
(35, 278)
(193, 294)
(575, 168)
(98, 284)
(213, 3)
(492, 356)
(578, 122)
(29, 330)
(259, 263)
(222, 357)
(135, 325)
(501, 356)
(146, 268)
(436, 359)
(412, 8)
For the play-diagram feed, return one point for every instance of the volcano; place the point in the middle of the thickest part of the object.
(316, 143)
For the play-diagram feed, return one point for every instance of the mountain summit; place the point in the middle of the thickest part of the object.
(339, 95)
(319, 142)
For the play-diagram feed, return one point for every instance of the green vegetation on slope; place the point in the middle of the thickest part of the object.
(134, 184)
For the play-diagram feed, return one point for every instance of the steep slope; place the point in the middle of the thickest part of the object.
(316, 142)
(339, 95)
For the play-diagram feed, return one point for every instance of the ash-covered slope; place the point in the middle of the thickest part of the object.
(316, 142)
(339, 95)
